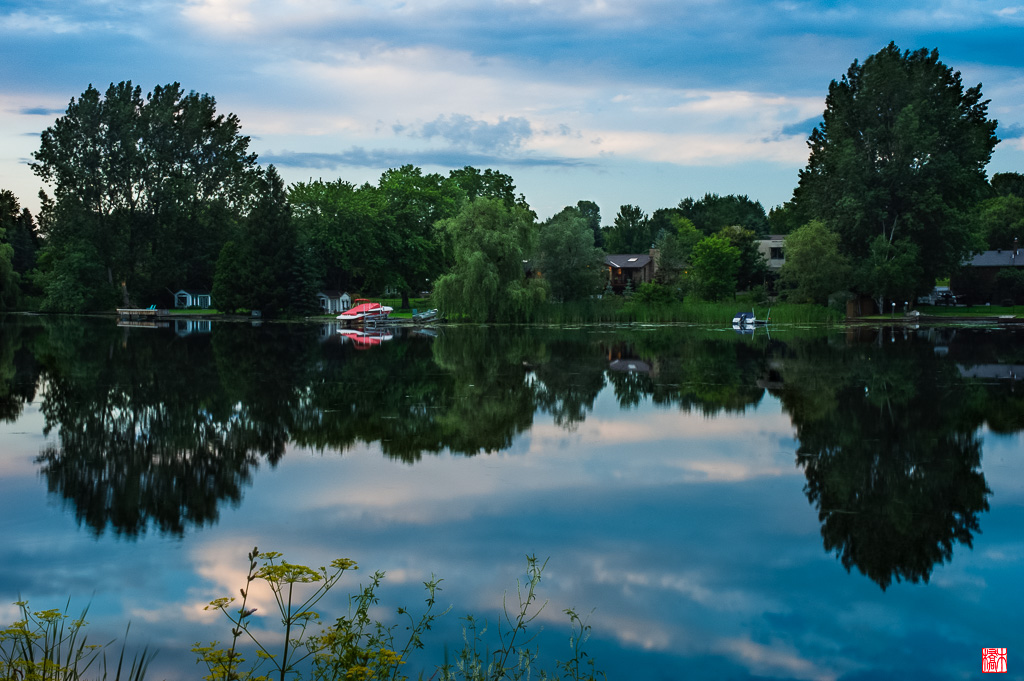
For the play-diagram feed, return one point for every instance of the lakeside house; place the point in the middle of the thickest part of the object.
(191, 298)
(333, 301)
(630, 268)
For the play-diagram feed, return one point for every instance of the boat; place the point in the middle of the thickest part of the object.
(425, 316)
(746, 320)
(365, 311)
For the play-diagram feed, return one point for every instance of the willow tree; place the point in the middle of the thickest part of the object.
(897, 163)
(490, 244)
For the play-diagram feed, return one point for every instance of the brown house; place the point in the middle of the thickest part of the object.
(632, 268)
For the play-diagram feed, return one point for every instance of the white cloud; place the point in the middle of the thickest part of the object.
(777, 656)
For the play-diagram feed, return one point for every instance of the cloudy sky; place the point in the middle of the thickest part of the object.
(617, 101)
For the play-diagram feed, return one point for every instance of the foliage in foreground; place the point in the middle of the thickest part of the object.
(47, 645)
(356, 647)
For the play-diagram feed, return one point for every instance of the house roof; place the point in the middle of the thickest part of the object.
(627, 260)
(1000, 258)
(193, 291)
(331, 293)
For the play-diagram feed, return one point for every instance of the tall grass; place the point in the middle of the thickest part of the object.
(615, 309)
(48, 645)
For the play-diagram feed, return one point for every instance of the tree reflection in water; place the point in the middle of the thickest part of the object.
(892, 456)
(155, 430)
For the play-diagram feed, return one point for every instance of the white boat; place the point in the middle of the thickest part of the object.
(747, 320)
(365, 311)
(744, 320)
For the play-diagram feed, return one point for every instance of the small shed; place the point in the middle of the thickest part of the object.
(333, 302)
(186, 298)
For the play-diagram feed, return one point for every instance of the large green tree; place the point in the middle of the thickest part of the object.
(412, 203)
(568, 259)
(489, 183)
(151, 186)
(18, 245)
(999, 220)
(1005, 184)
(630, 233)
(487, 283)
(814, 267)
(715, 263)
(712, 212)
(899, 157)
(344, 226)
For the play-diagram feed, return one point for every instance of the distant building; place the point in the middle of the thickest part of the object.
(773, 251)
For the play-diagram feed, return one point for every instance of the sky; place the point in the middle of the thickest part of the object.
(642, 102)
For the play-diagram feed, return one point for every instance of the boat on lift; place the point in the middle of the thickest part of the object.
(365, 311)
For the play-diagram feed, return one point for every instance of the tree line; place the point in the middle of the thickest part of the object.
(155, 193)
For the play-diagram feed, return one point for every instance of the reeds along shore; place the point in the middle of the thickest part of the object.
(617, 310)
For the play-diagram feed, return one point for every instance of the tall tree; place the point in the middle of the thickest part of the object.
(631, 232)
(591, 212)
(344, 226)
(18, 246)
(260, 271)
(899, 156)
(412, 204)
(151, 185)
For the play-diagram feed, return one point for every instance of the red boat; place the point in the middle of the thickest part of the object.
(363, 311)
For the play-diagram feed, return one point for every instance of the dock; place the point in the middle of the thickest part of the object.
(140, 313)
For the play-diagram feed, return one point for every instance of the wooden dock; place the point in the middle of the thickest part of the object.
(139, 313)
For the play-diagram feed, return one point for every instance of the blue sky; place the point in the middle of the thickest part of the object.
(640, 101)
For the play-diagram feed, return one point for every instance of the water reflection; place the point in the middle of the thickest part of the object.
(158, 429)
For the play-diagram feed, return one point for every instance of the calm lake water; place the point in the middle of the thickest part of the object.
(817, 504)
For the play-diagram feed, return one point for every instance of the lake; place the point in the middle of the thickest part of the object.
(842, 503)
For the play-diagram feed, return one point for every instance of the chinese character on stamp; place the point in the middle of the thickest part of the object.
(993, 660)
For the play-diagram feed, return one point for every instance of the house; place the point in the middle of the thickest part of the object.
(978, 279)
(186, 298)
(634, 269)
(333, 302)
(773, 251)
